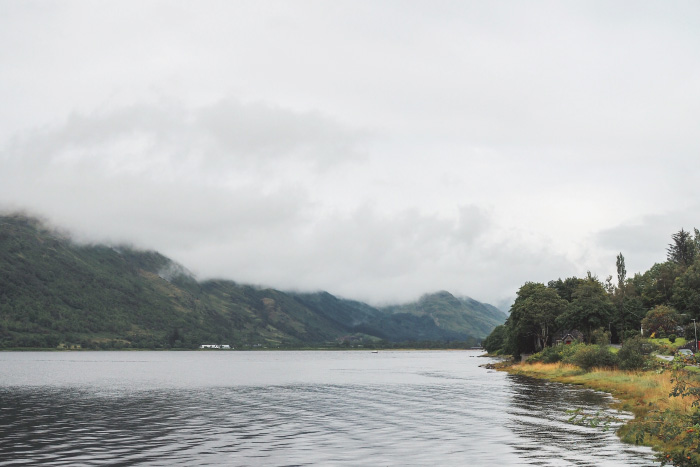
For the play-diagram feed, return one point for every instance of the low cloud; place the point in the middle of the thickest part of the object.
(643, 242)
(378, 151)
(383, 258)
(161, 175)
(168, 140)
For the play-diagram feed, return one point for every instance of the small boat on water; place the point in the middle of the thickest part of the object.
(375, 351)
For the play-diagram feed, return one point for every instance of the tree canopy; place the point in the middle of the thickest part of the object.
(683, 250)
(660, 319)
(532, 319)
(590, 308)
(662, 298)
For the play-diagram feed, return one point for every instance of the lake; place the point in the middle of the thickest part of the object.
(268, 408)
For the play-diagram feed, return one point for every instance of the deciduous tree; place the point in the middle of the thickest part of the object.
(686, 292)
(655, 287)
(565, 288)
(660, 318)
(590, 308)
(532, 318)
(495, 340)
(619, 295)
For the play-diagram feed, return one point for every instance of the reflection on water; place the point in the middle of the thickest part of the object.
(294, 425)
(544, 437)
(314, 408)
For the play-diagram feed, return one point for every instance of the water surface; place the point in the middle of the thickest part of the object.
(292, 408)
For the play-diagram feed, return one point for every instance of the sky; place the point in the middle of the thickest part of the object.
(378, 150)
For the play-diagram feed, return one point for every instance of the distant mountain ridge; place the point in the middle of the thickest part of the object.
(455, 314)
(54, 293)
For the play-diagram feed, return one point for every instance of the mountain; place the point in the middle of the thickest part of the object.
(360, 317)
(450, 313)
(55, 293)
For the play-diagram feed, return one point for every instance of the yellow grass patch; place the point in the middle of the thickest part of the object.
(640, 392)
(632, 388)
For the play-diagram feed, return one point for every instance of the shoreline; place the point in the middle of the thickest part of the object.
(644, 394)
(304, 349)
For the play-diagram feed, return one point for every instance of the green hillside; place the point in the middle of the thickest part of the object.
(461, 315)
(54, 293)
(360, 317)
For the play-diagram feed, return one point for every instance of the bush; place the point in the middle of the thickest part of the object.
(568, 351)
(557, 353)
(600, 336)
(592, 356)
(672, 338)
(547, 355)
(632, 354)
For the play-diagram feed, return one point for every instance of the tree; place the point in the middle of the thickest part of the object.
(619, 295)
(565, 288)
(655, 287)
(661, 318)
(532, 318)
(634, 312)
(621, 271)
(686, 292)
(683, 249)
(495, 340)
(590, 308)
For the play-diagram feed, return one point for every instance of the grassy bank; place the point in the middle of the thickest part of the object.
(661, 421)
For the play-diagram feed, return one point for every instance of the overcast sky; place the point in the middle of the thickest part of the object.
(378, 150)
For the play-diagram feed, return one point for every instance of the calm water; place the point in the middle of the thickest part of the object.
(291, 408)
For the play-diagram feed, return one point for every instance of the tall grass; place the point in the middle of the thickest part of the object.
(632, 388)
(644, 393)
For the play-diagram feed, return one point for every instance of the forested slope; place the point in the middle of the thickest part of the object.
(54, 292)
(462, 315)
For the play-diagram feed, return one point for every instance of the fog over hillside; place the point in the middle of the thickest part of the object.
(379, 151)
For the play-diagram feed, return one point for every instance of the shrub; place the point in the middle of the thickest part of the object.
(632, 354)
(672, 338)
(557, 353)
(600, 336)
(592, 356)
(547, 355)
(568, 351)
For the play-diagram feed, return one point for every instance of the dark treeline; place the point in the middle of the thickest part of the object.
(662, 301)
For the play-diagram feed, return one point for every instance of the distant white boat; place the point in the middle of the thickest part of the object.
(375, 351)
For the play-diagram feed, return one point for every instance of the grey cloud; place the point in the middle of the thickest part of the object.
(384, 258)
(643, 241)
(226, 136)
(166, 216)
(499, 129)
(151, 174)
(256, 131)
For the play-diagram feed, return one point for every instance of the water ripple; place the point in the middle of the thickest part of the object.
(439, 408)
